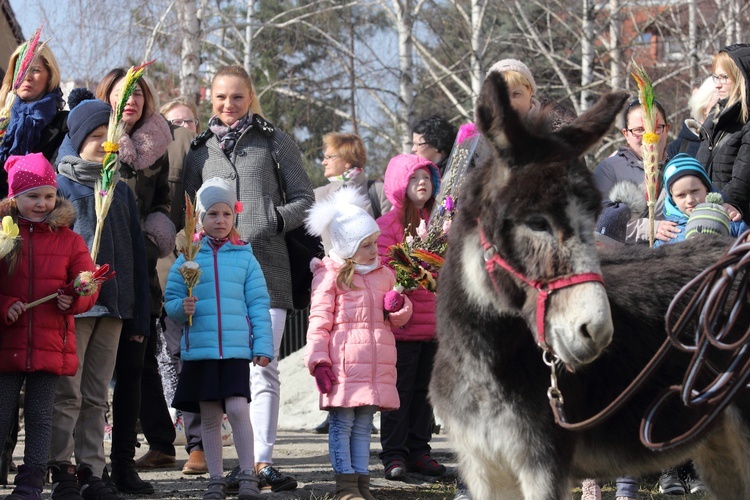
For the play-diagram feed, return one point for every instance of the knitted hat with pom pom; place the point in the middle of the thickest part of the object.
(343, 220)
(708, 218)
(86, 115)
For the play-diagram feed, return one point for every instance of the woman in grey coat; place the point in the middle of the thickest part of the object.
(243, 148)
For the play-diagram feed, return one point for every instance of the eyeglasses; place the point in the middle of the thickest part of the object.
(179, 122)
(722, 79)
(330, 157)
(638, 132)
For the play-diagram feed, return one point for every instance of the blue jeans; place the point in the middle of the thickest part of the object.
(349, 439)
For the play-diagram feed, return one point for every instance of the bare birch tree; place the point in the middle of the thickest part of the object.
(190, 48)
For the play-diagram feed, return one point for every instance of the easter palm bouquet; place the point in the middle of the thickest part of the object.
(649, 143)
(417, 260)
(190, 270)
(29, 51)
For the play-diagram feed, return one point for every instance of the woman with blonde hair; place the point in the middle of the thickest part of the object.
(244, 148)
(725, 135)
(701, 102)
(36, 120)
(182, 112)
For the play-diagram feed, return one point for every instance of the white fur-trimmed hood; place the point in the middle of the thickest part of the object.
(630, 194)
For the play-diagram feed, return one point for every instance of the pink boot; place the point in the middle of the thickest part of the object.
(590, 490)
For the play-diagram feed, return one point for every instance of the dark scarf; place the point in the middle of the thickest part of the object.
(27, 120)
(83, 172)
(228, 136)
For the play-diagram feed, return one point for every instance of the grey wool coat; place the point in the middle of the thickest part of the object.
(264, 220)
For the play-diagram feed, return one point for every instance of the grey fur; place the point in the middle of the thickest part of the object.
(537, 204)
(632, 195)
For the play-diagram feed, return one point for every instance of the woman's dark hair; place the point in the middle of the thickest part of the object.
(107, 85)
(635, 103)
(437, 132)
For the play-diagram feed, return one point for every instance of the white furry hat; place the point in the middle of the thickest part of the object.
(215, 190)
(342, 219)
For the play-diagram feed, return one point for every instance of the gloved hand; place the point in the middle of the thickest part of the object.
(393, 301)
(324, 378)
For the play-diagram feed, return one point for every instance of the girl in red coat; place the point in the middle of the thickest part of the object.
(37, 345)
(411, 184)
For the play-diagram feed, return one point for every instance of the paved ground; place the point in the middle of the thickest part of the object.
(303, 455)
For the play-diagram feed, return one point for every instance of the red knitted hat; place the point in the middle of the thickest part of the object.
(29, 172)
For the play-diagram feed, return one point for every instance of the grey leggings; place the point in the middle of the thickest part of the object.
(37, 410)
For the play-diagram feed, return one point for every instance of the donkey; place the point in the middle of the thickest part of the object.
(534, 204)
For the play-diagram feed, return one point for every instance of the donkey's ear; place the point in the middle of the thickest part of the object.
(495, 117)
(587, 129)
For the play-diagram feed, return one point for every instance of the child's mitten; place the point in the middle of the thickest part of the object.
(324, 378)
(393, 301)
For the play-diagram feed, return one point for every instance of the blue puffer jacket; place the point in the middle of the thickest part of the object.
(232, 318)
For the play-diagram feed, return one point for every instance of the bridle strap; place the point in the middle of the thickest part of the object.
(545, 288)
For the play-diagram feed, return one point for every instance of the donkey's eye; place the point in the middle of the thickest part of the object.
(538, 223)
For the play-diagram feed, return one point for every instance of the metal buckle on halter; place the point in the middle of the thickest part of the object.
(553, 393)
(489, 252)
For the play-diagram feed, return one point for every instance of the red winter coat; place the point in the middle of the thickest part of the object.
(421, 327)
(50, 256)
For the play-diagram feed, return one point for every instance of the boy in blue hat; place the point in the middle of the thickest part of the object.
(687, 185)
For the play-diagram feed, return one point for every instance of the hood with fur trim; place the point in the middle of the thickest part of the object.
(63, 215)
(142, 147)
(631, 194)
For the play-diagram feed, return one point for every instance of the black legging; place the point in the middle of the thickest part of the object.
(137, 379)
(37, 410)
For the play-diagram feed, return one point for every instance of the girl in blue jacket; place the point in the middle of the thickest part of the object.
(231, 326)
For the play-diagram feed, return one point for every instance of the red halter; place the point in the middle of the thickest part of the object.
(492, 259)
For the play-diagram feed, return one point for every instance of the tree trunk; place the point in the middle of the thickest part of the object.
(587, 53)
(404, 25)
(190, 59)
(477, 48)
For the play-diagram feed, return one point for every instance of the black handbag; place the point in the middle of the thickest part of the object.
(300, 245)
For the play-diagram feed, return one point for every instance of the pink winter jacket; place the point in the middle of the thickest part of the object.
(421, 327)
(348, 331)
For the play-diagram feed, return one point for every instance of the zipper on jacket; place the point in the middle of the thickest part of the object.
(31, 291)
(218, 299)
(371, 329)
(249, 335)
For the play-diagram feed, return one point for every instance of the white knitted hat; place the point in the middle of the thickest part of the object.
(215, 190)
(342, 219)
(515, 65)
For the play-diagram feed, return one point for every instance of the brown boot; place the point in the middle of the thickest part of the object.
(347, 487)
(364, 487)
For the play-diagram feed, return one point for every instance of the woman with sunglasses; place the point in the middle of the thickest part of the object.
(725, 135)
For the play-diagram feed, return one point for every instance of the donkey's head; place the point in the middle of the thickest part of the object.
(532, 207)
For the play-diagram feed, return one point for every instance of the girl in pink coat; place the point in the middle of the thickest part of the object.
(351, 350)
(411, 184)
